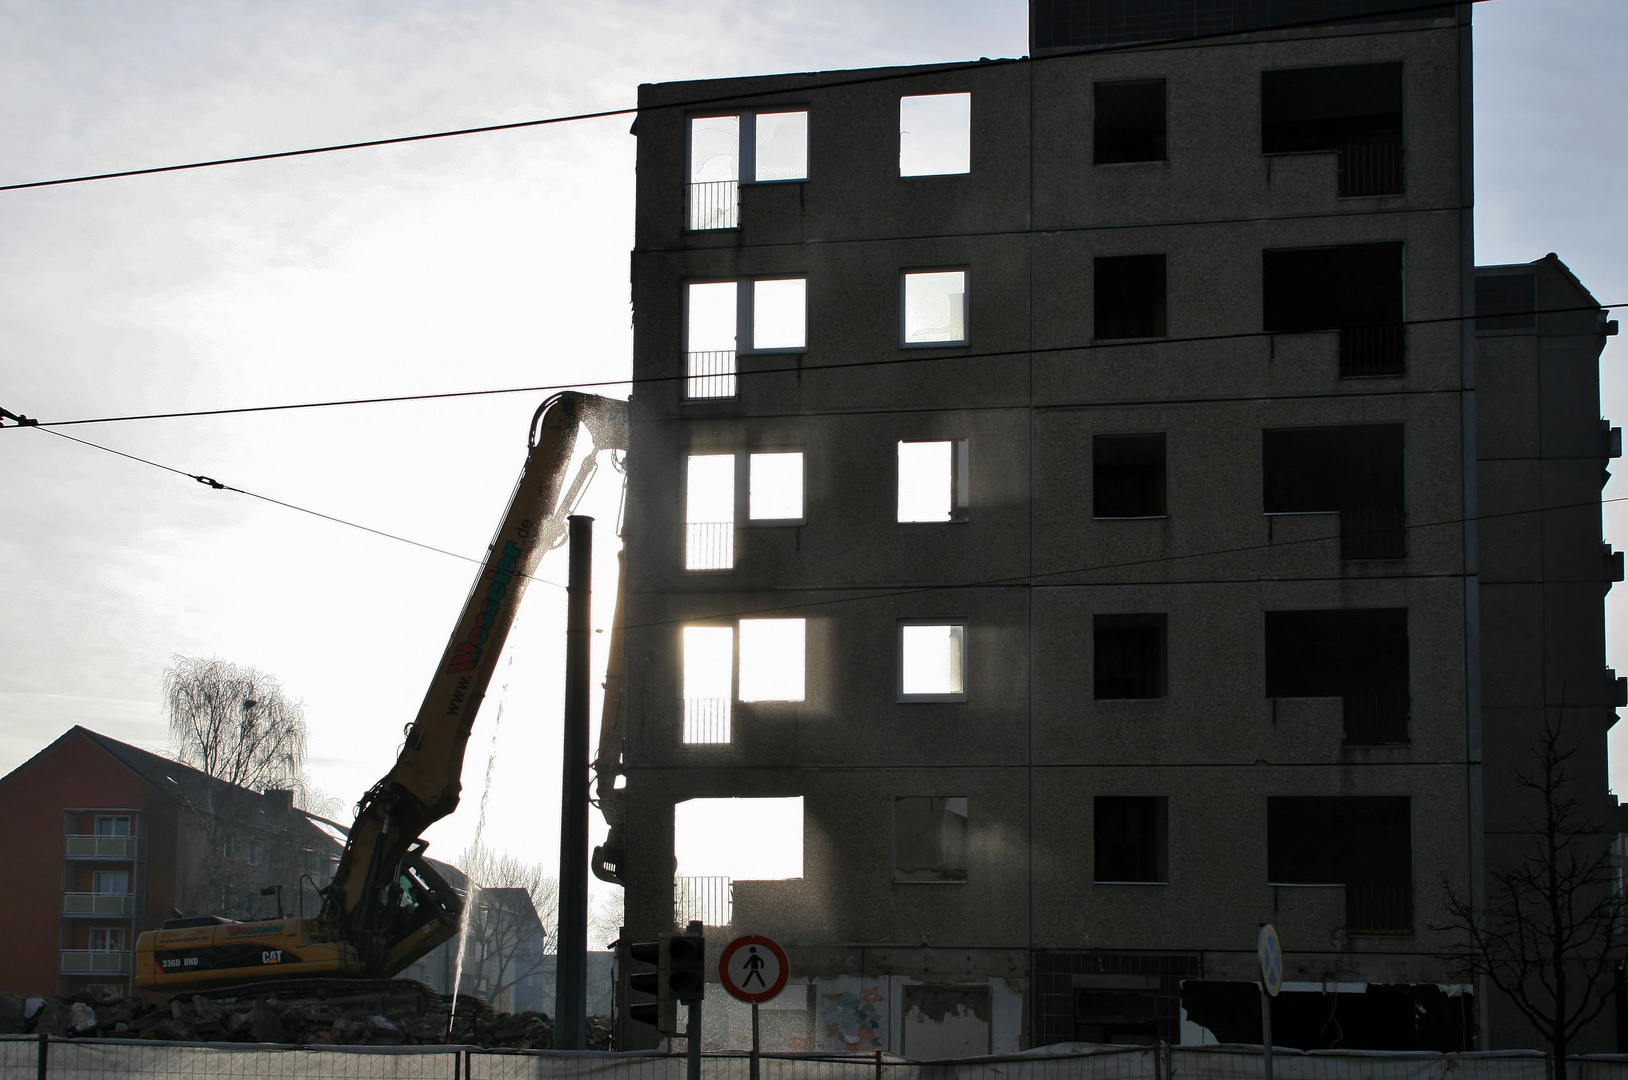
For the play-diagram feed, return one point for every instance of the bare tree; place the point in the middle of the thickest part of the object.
(511, 916)
(1548, 936)
(605, 922)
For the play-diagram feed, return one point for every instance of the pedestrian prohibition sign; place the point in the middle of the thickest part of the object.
(753, 968)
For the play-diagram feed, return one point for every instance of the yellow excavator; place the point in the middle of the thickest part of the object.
(386, 906)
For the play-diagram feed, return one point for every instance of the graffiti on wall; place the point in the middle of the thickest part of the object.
(853, 1019)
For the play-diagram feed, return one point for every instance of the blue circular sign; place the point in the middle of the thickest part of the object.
(1270, 951)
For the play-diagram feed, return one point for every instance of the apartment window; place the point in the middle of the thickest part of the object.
(933, 309)
(1354, 471)
(1353, 288)
(934, 480)
(935, 134)
(1506, 301)
(709, 512)
(1128, 476)
(107, 939)
(1130, 839)
(779, 314)
(256, 852)
(1128, 656)
(1359, 655)
(1130, 297)
(779, 146)
(761, 147)
(775, 486)
(1354, 110)
(711, 326)
(929, 838)
(112, 826)
(772, 659)
(110, 882)
(709, 669)
(1129, 122)
(1363, 842)
(932, 661)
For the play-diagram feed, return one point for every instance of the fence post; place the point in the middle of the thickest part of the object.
(878, 1063)
(45, 1052)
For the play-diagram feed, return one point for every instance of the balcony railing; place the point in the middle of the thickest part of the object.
(715, 204)
(706, 721)
(1376, 718)
(100, 847)
(95, 962)
(709, 545)
(1379, 907)
(1371, 165)
(707, 900)
(1373, 532)
(1367, 351)
(710, 375)
(90, 904)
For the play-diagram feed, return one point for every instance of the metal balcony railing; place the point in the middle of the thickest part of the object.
(1373, 350)
(709, 375)
(714, 204)
(100, 847)
(1371, 165)
(1378, 907)
(706, 721)
(95, 962)
(709, 545)
(707, 900)
(1376, 718)
(88, 904)
(1373, 532)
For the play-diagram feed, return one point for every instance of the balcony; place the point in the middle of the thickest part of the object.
(707, 900)
(714, 204)
(84, 905)
(81, 846)
(709, 375)
(95, 962)
(709, 545)
(706, 721)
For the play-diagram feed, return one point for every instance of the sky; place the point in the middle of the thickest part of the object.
(486, 261)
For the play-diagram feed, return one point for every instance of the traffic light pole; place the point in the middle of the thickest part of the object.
(571, 974)
(692, 1035)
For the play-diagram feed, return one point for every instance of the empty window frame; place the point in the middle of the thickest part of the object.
(1128, 656)
(772, 661)
(935, 134)
(112, 826)
(931, 660)
(1359, 655)
(1117, 1009)
(717, 842)
(1356, 289)
(1506, 301)
(770, 314)
(934, 482)
(1128, 476)
(1354, 110)
(1130, 839)
(1129, 297)
(763, 146)
(1129, 122)
(1363, 842)
(1354, 470)
(929, 838)
(933, 307)
(709, 512)
(774, 487)
(708, 690)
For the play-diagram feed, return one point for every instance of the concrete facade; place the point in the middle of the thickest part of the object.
(1028, 945)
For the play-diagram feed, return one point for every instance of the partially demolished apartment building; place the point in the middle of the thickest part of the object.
(1058, 484)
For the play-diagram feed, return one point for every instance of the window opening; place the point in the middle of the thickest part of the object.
(1129, 122)
(779, 313)
(1130, 297)
(256, 850)
(1117, 1009)
(1363, 842)
(932, 661)
(110, 882)
(935, 134)
(714, 188)
(710, 325)
(934, 481)
(780, 145)
(1359, 655)
(1354, 288)
(709, 512)
(1128, 656)
(107, 939)
(717, 842)
(1128, 476)
(112, 826)
(772, 655)
(935, 307)
(1354, 110)
(1354, 470)
(1506, 301)
(1131, 838)
(929, 838)
(775, 486)
(709, 669)
(940, 1021)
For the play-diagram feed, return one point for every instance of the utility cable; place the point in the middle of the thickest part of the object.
(805, 370)
(1188, 41)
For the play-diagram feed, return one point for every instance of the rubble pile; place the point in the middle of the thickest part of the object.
(397, 1014)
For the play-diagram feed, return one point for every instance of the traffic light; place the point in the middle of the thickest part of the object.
(685, 964)
(680, 975)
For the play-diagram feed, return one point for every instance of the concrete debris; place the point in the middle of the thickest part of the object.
(396, 1013)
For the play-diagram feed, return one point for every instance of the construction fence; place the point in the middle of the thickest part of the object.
(33, 1058)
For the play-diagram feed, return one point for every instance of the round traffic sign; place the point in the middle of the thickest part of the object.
(753, 968)
(1270, 951)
